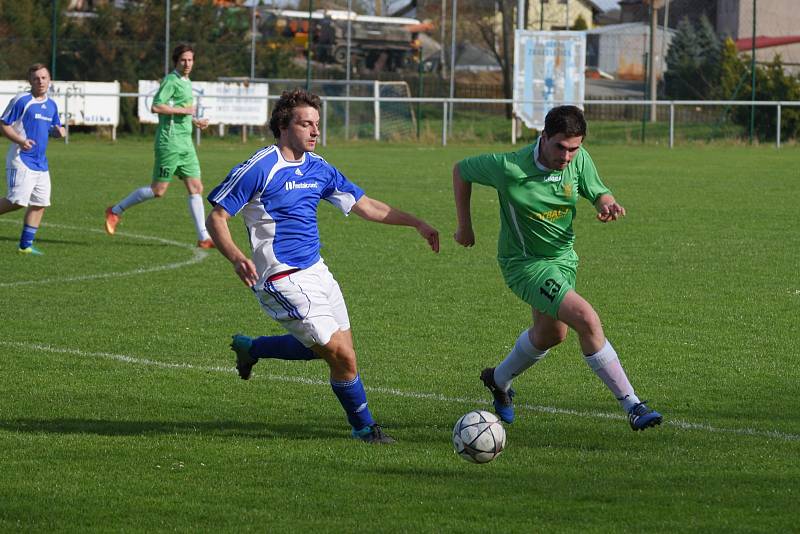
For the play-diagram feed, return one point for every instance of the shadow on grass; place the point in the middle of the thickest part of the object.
(46, 240)
(103, 427)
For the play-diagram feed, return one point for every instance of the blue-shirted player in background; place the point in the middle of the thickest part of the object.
(29, 120)
(277, 191)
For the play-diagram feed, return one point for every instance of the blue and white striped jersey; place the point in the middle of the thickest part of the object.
(33, 119)
(279, 201)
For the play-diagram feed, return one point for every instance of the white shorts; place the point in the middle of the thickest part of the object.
(308, 304)
(26, 186)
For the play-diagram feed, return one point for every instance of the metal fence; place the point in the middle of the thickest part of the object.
(380, 117)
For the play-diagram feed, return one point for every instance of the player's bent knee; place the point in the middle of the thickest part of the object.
(548, 340)
(342, 362)
(588, 324)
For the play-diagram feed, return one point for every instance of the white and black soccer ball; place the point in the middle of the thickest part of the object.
(479, 437)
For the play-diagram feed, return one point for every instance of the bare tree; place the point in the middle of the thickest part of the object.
(498, 36)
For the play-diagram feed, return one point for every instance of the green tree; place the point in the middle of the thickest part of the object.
(24, 36)
(772, 83)
(693, 61)
(733, 73)
(580, 24)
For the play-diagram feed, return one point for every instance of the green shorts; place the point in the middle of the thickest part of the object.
(178, 161)
(541, 282)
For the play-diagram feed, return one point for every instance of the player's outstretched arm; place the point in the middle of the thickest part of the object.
(607, 208)
(462, 191)
(377, 211)
(217, 226)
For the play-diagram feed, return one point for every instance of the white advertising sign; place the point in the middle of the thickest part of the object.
(90, 103)
(219, 102)
(548, 71)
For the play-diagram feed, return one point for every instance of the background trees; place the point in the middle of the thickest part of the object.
(127, 44)
(703, 67)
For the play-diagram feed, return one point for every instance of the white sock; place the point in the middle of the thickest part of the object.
(140, 195)
(198, 213)
(605, 364)
(522, 356)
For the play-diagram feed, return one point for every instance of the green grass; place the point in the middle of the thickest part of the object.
(120, 409)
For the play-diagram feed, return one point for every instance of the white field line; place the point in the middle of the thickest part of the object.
(683, 425)
(198, 255)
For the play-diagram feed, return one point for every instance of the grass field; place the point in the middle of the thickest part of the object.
(120, 409)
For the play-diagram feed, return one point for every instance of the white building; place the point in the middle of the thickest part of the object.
(620, 49)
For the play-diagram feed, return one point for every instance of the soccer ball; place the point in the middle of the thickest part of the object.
(479, 437)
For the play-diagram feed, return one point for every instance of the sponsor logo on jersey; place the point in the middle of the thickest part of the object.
(301, 185)
(551, 215)
(40, 117)
(553, 178)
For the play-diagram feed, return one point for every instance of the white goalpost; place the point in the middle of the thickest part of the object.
(393, 119)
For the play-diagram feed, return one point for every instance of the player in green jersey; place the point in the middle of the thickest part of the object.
(174, 152)
(538, 188)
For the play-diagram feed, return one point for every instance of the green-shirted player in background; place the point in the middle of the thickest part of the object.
(174, 151)
(538, 188)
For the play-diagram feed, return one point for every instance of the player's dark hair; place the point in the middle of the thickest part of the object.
(283, 110)
(179, 50)
(36, 66)
(567, 120)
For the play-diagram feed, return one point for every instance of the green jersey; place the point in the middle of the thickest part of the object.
(174, 91)
(537, 206)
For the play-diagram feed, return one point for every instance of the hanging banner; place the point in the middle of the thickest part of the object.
(90, 103)
(219, 102)
(548, 72)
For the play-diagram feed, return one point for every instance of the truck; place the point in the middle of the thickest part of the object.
(376, 43)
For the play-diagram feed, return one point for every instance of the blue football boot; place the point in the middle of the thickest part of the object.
(503, 400)
(244, 362)
(641, 417)
(373, 434)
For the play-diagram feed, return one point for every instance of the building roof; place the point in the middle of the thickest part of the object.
(742, 45)
(626, 27)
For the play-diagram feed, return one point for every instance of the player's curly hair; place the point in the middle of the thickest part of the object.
(567, 120)
(283, 110)
(179, 50)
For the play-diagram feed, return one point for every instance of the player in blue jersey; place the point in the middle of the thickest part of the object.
(277, 192)
(29, 120)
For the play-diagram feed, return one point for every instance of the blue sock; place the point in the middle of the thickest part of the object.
(285, 347)
(26, 238)
(353, 398)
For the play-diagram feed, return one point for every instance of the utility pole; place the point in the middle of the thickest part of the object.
(166, 41)
(663, 61)
(653, 73)
(453, 62)
(442, 59)
(308, 46)
(53, 43)
(348, 68)
(253, 42)
(541, 15)
(753, 77)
